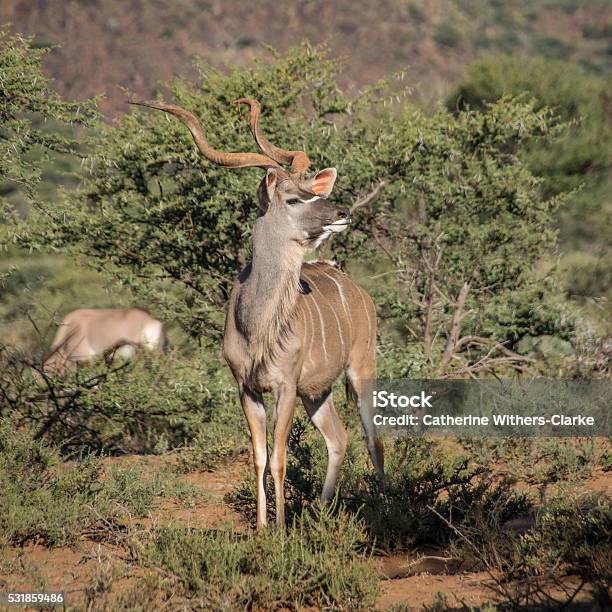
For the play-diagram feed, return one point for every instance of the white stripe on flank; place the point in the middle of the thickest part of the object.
(340, 334)
(365, 307)
(335, 317)
(320, 318)
(342, 299)
(339, 330)
(311, 331)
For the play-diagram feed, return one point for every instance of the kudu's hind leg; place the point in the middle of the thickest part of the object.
(255, 413)
(325, 418)
(366, 414)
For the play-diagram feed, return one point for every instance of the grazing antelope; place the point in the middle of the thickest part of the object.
(293, 327)
(86, 333)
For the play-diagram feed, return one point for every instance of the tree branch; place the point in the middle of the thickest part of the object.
(368, 198)
(453, 336)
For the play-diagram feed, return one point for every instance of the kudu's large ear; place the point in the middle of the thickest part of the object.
(271, 181)
(323, 181)
(266, 190)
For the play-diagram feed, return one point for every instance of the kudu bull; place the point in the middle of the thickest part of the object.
(293, 327)
(87, 333)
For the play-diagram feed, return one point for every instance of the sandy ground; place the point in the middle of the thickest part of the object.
(414, 579)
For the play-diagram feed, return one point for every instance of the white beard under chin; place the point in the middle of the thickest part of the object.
(334, 228)
(321, 239)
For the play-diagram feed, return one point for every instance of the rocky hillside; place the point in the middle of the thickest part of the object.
(109, 44)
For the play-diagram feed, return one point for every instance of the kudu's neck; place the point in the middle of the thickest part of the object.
(268, 296)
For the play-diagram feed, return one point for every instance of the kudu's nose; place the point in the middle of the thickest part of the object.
(344, 213)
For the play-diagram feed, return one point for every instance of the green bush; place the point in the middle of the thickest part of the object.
(149, 405)
(576, 531)
(171, 227)
(553, 48)
(588, 274)
(578, 161)
(40, 501)
(219, 440)
(136, 494)
(447, 35)
(27, 102)
(48, 502)
(540, 461)
(580, 158)
(316, 563)
(424, 480)
(55, 503)
(571, 536)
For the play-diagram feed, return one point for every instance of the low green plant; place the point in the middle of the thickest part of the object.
(537, 461)
(135, 493)
(185, 493)
(137, 488)
(151, 404)
(220, 440)
(574, 530)
(41, 500)
(318, 562)
(425, 481)
(571, 536)
(54, 503)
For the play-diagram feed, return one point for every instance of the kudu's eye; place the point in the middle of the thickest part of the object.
(293, 201)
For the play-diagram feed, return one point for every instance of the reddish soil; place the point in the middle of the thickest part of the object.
(77, 570)
(406, 579)
(417, 591)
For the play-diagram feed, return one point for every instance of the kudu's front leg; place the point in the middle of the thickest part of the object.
(255, 413)
(284, 411)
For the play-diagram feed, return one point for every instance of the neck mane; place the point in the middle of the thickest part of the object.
(268, 297)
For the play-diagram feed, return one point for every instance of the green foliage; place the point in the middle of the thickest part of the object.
(316, 563)
(53, 504)
(220, 440)
(580, 159)
(173, 227)
(565, 88)
(577, 530)
(150, 404)
(429, 485)
(425, 480)
(588, 274)
(435, 496)
(461, 208)
(135, 492)
(38, 151)
(530, 29)
(26, 102)
(40, 502)
(540, 461)
(571, 534)
(447, 36)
